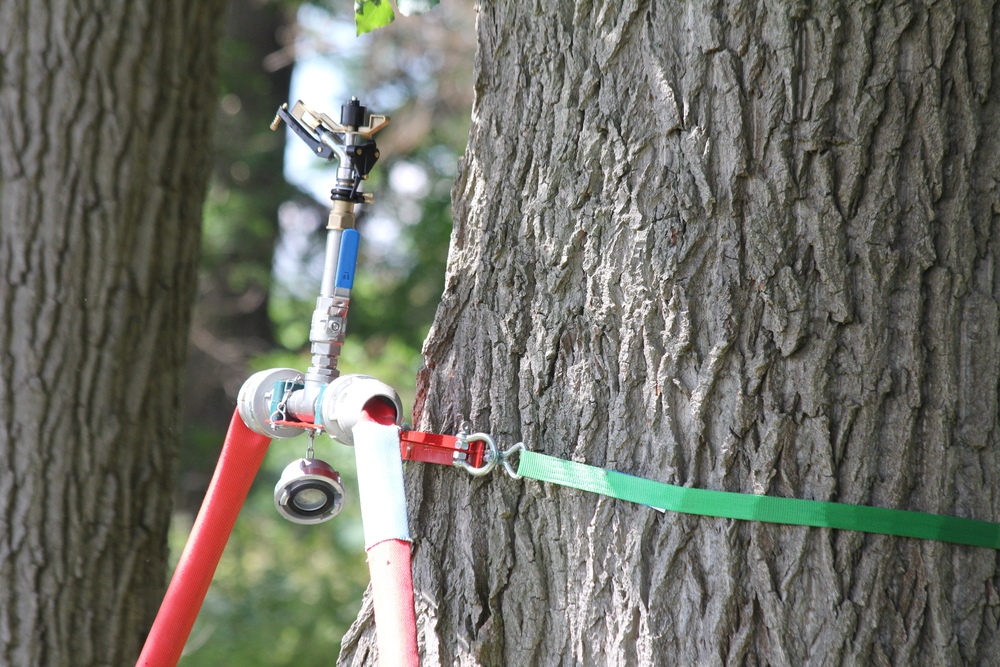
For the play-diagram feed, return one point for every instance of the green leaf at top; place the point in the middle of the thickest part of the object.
(372, 14)
(414, 7)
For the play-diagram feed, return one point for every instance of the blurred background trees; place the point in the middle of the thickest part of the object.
(285, 593)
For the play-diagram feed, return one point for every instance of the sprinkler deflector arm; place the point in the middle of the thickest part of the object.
(239, 462)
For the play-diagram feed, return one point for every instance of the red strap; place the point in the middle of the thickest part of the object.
(434, 448)
(239, 462)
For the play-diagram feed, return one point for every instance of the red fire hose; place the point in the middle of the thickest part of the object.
(239, 462)
(388, 557)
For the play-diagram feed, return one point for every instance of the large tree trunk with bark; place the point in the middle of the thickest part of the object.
(744, 246)
(105, 116)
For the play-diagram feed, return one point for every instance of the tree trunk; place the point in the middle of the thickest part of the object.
(105, 116)
(743, 246)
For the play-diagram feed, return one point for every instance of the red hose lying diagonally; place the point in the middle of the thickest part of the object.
(239, 462)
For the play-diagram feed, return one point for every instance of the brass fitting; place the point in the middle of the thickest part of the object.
(341, 215)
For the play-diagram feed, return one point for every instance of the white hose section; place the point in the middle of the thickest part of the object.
(380, 483)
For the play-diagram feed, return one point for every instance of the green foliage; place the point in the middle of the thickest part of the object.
(372, 14)
(237, 238)
(291, 318)
(247, 184)
(402, 299)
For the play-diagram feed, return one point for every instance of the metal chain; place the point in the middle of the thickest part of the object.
(281, 410)
(312, 438)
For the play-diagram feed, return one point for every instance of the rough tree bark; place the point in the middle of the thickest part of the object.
(744, 246)
(105, 119)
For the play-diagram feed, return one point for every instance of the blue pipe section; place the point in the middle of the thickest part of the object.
(348, 260)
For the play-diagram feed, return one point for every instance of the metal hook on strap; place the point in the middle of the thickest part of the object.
(491, 458)
(505, 456)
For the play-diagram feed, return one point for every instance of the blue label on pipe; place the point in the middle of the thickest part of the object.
(348, 258)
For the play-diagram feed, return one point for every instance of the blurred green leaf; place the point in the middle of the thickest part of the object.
(414, 7)
(372, 15)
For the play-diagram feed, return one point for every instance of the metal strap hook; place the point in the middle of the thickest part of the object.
(505, 456)
(491, 458)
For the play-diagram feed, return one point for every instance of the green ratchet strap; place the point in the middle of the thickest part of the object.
(759, 508)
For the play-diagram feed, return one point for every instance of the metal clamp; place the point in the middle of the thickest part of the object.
(255, 399)
(492, 457)
(442, 449)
